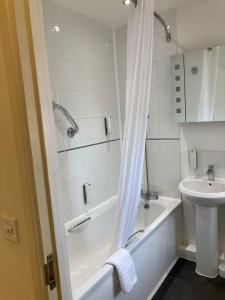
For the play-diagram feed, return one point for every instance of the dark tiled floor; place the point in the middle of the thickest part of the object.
(183, 283)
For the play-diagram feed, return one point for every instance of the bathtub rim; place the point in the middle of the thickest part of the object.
(106, 271)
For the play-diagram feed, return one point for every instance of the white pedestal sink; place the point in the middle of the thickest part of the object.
(207, 196)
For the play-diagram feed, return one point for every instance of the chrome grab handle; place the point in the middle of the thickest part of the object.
(135, 233)
(71, 131)
(78, 225)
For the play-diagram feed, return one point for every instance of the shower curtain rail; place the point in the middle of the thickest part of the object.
(164, 25)
(157, 16)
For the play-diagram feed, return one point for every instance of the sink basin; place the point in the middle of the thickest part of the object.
(204, 192)
(207, 196)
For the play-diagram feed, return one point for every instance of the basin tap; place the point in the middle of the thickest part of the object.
(211, 173)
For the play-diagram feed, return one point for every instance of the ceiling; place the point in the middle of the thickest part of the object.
(112, 12)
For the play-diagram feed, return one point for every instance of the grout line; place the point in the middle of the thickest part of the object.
(85, 146)
(105, 142)
(163, 139)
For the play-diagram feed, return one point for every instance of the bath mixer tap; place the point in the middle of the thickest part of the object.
(146, 197)
(211, 172)
(149, 196)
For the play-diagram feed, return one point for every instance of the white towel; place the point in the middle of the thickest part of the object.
(124, 265)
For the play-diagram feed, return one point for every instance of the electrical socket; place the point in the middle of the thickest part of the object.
(9, 226)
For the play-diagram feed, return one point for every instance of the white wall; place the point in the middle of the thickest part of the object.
(163, 133)
(82, 73)
(201, 25)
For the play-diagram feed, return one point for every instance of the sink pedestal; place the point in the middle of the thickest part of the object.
(207, 241)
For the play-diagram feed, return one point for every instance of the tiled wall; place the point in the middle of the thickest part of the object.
(82, 73)
(207, 138)
(163, 133)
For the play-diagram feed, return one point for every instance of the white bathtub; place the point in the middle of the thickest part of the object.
(154, 251)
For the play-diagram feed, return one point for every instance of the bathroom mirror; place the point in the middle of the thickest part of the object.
(198, 85)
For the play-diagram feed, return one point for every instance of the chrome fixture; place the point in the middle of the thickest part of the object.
(133, 235)
(165, 26)
(157, 16)
(148, 195)
(211, 172)
(128, 2)
(86, 193)
(79, 224)
(71, 131)
(108, 125)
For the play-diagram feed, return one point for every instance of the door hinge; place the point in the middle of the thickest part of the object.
(50, 272)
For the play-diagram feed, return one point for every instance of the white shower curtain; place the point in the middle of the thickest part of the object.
(139, 69)
(210, 59)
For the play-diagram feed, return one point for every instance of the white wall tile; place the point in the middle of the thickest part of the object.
(53, 73)
(85, 104)
(155, 177)
(96, 158)
(164, 166)
(122, 79)
(164, 49)
(66, 74)
(168, 128)
(92, 130)
(164, 73)
(109, 81)
(170, 152)
(79, 45)
(170, 175)
(153, 129)
(165, 100)
(170, 192)
(104, 103)
(154, 82)
(96, 74)
(55, 14)
(153, 102)
(154, 152)
(59, 43)
(81, 76)
(155, 52)
(71, 164)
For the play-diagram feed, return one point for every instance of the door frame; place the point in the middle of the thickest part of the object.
(38, 97)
